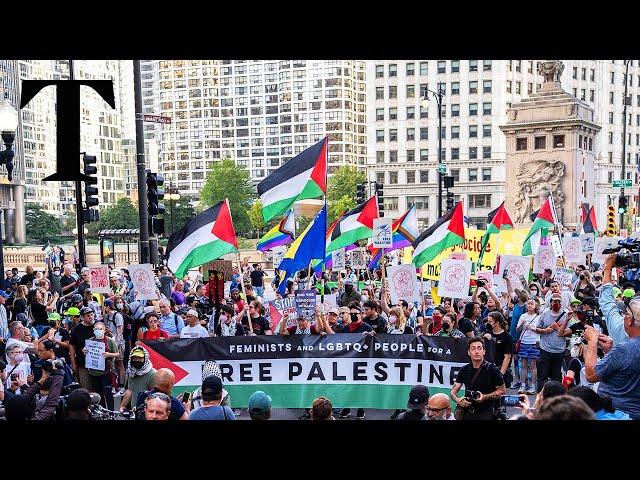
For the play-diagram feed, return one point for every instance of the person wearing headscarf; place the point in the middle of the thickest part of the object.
(211, 367)
(140, 375)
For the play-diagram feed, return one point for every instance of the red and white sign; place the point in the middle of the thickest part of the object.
(157, 119)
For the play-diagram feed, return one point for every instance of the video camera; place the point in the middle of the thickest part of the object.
(629, 259)
(56, 364)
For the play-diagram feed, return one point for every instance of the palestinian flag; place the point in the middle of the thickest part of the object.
(302, 177)
(589, 224)
(280, 234)
(206, 237)
(354, 225)
(544, 220)
(499, 219)
(447, 232)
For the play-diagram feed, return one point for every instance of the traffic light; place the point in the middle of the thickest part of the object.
(155, 193)
(611, 221)
(156, 226)
(622, 205)
(90, 188)
(449, 200)
(360, 193)
(380, 196)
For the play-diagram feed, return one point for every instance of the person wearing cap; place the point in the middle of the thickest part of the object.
(163, 383)
(140, 375)
(82, 332)
(552, 344)
(72, 318)
(58, 335)
(334, 326)
(209, 368)
(417, 404)
(211, 399)
(90, 301)
(193, 328)
(609, 306)
(260, 406)
(556, 289)
(585, 313)
(78, 403)
(349, 295)
(439, 407)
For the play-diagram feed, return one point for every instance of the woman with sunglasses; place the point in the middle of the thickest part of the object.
(153, 332)
(259, 324)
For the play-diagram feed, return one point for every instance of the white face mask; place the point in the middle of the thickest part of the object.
(119, 306)
(99, 334)
(365, 298)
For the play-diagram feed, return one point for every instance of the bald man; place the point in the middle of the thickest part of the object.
(439, 407)
(163, 383)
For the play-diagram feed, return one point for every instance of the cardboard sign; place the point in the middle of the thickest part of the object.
(382, 234)
(329, 302)
(278, 255)
(454, 278)
(564, 276)
(487, 276)
(224, 266)
(338, 257)
(557, 246)
(403, 283)
(572, 253)
(358, 259)
(516, 266)
(544, 258)
(94, 358)
(305, 303)
(144, 281)
(587, 243)
(458, 256)
(602, 243)
(99, 279)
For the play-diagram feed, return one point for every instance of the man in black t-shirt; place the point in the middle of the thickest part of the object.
(82, 332)
(417, 404)
(257, 279)
(470, 324)
(373, 318)
(483, 384)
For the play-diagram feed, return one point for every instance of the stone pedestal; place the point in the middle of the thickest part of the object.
(550, 150)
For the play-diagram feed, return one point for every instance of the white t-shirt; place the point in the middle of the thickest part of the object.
(194, 332)
(529, 337)
(24, 367)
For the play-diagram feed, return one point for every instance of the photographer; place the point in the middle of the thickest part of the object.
(614, 320)
(483, 384)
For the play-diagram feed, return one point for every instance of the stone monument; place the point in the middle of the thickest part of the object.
(549, 151)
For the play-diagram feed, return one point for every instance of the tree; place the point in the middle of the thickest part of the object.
(341, 191)
(41, 226)
(227, 180)
(255, 215)
(183, 211)
(123, 214)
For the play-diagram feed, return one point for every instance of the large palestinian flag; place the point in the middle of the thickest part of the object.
(544, 220)
(206, 237)
(447, 232)
(302, 177)
(354, 225)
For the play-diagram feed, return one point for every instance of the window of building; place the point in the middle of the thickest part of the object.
(393, 91)
(424, 133)
(379, 93)
(424, 112)
(611, 98)
(380, 177)
(609, 177)
(509, 86)
(455, 132)
(455, 173)
(593, 74)
(411, 113)
(486, 86)
(473, 109)
(442, 66)
(424, 176)
(473, 65)
(420, 202)
(379, 113)
(473, 87)
(480, 201)
(486, 152)
(424, 68)
(455, 110)
(379, 135)
(558, 141)
(393, 135)
(424, 154)
(443, 155)
(486, 174)
(393, 156)
(473, 174)
(443, 132)
(380, 156)
(611, 118)
(379, 71)
(411, 134)
(411, 155)
(529, 88)
(592, 95)
(583, 94)
(393, 70)
(518, 65)
(486, 108)
(575, 73)
(521, 143)
(455, 66)
(486, 130)
(610, 138)
(393, 113)
(410, 69)
(455, 88)
(486, 65)
(411, 91)
(613, 78)
(455, 154)
(540, 143)
(473, 153)
(411, 176)
(518, 89)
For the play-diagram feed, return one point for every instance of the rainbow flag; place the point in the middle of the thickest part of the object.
(405, 231)
(280, 234)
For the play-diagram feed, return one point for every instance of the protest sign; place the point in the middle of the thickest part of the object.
(338, 257)
(487, 276)
(279, 308)
(143, 281)
(403, 283)
(516, 266)
(458, 256)
(602, 243)
(544, 258)
(278, 255)
(358, 260)
(329, 302)
(99, 282)
(94, 358)
(587, 243)
(557, 246)
(382, 234)
(572, 253)
(454, 278)
(305, 303)
(564, 276)
(224, 266)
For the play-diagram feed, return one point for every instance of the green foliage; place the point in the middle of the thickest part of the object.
(227, 180)
(255, 215)
(341, 190)
(122, 214)
(183, 211)
(41, 226)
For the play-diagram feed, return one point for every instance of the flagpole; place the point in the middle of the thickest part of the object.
(422, 288)
(558, 226)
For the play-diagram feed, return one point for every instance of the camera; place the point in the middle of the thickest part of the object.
(14, 376)
(50, 365)
(631, 259)
(472, 394)
(445, 326)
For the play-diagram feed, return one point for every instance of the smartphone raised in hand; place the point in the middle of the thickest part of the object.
(185, 397)
(510, 401)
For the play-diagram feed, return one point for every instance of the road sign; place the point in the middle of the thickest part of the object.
(622, 183)
(157, 119)
(442, 168)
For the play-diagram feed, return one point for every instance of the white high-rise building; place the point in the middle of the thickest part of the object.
(403, 136)
(259, 113)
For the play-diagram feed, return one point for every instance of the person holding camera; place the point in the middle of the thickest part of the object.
(613, 318)
(483, 384)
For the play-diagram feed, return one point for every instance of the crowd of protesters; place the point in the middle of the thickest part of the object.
(581, 339)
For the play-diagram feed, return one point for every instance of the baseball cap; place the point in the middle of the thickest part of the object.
(629, 293)
(85, 270)
(616, 292)
(348, 281)
(333, 310)
(4, 294)
(54, 316)
(76, 298)
(259, 402)
(193, 312)
(79, 399)
(109, 303)
(213, 384)
(137, 352)
(591, 301)
(72, 311)
(343, 310)
(86, 310)
(418, 397)
(574, 301)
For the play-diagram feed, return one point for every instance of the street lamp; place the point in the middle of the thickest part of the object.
(8, 127)
(425, 104)
(172, 197)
